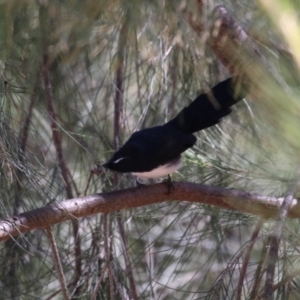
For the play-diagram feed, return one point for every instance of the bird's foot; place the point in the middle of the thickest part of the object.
(168, 182)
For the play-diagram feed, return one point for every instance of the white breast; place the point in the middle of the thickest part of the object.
(160, 171)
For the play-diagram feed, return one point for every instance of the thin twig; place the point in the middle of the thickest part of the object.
(97, 287)
(127, 260)
(23, 136)
(88, 183)
(118, 285)
(247, 257)
(259, 272)
(56, 292)
(11, 256)
(58, 265)
(118, 105)
(107, 256)
(118, 101)
(63, 168)
(276, 237)
(97, 170)
(287, 279)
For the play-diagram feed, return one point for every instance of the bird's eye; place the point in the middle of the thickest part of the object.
(118, 160)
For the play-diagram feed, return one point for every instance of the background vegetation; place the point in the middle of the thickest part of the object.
(77, 79)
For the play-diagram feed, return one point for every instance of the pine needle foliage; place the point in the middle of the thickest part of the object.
(66, 67)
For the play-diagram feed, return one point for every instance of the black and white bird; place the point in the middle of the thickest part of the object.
(156, 152)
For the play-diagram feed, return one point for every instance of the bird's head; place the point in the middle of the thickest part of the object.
(124, 159)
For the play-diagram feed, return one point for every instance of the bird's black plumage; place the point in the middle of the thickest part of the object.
(161, 146)
(207, 109)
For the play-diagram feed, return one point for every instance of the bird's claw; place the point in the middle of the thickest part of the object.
(168, 182)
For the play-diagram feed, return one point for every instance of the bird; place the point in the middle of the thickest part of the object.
(156, 152)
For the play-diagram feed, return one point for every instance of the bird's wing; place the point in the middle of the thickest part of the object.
(149, 148)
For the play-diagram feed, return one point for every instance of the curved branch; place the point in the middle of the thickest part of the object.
(227, 39)
(264, 206)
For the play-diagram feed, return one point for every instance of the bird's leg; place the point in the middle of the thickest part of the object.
(169, 184)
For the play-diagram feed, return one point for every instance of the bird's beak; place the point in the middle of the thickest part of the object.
(105, 165)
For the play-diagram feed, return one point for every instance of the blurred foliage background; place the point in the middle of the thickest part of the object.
(141, 60)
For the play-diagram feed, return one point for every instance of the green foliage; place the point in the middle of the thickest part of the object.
(177, 251)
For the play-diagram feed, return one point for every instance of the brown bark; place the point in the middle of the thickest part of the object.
(241, 56)
(264, 206)
(65, 172)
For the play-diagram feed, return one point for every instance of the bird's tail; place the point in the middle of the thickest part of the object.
(207, 109)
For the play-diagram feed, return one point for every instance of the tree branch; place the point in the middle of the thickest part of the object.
(264, 206)
(226, 38)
